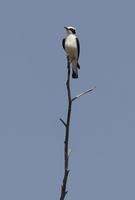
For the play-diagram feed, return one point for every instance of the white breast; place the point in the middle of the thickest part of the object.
(71, 46)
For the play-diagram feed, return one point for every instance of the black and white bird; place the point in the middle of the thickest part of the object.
(72, 48)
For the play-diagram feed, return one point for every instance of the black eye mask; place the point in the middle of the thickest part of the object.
(72, 30)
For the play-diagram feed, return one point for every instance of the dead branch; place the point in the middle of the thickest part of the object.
(81, 94)
(63, 122)
(66, 141)
(67, 151)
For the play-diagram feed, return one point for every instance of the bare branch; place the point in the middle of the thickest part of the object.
(67, 151)
(66, 141)
(63, 122)
(83, 93)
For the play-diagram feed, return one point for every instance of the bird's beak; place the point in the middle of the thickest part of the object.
(65, 27)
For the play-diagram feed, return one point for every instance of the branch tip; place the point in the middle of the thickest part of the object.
(83, 93)
(63, 122)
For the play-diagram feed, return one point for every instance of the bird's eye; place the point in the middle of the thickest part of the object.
(72, 30)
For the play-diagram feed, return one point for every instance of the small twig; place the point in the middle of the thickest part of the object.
(83, 93)
(63, 122)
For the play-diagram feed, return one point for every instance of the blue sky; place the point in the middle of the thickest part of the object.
(33, 98)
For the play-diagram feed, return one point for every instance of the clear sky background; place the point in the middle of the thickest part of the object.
(33, 98)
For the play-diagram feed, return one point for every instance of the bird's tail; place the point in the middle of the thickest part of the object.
(75, 70)
(74, 74)
(78, 66)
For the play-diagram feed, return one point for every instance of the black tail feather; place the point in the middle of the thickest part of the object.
(78, 65)
(74, 75)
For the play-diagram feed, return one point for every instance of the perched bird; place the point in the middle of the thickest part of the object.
(72, 48)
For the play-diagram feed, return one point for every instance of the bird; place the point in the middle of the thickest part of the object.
(71, 46)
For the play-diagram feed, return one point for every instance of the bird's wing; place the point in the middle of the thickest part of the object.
(63, 43)
(78, 47)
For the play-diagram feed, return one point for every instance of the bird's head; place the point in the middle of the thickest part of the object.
(70, 30)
